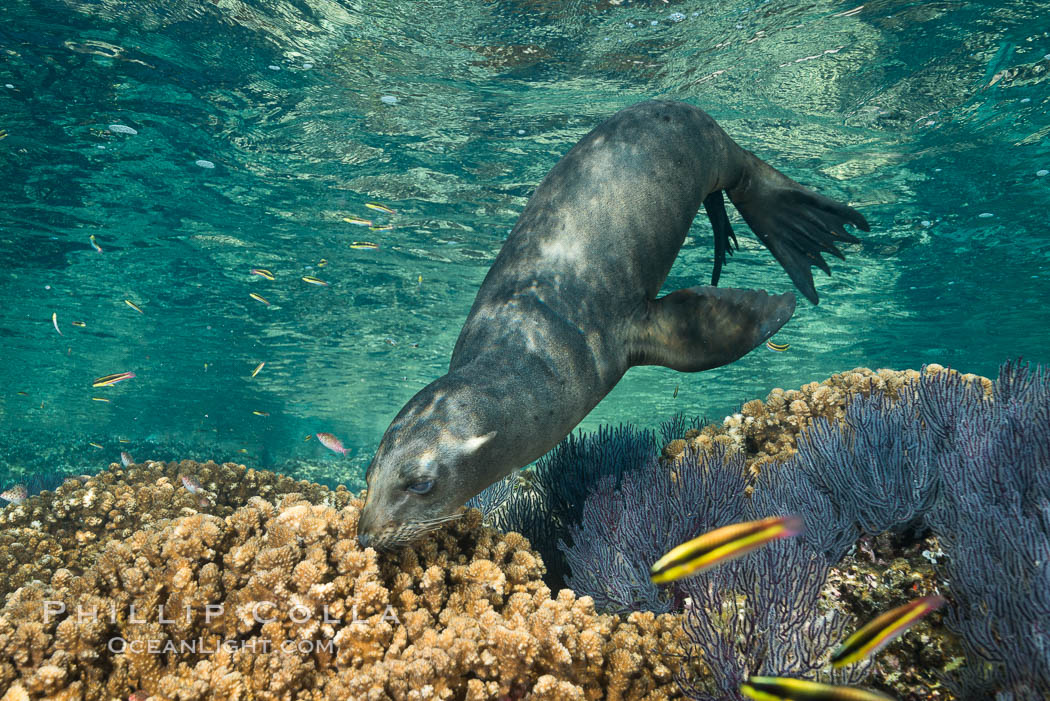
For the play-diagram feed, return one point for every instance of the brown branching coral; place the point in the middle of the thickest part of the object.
(69, 527)
(278, 602)
(768, 431)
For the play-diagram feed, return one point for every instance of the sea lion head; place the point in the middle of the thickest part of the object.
(434, 456)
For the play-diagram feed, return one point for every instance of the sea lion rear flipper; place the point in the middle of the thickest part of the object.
(795, 223)
(700, 328)
(716, 212)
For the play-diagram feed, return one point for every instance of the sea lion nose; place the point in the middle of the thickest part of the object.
(363, 539)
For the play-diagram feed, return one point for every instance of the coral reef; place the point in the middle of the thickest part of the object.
(280, 603)
(880, 574)
(768, 431)
(964, 455)
(255, 587)
(745, 617)
(67, 528)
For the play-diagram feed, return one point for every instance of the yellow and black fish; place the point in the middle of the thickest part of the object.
(778, 347)
(379, 207)
(721, 545)
(880, 631)
(785, 689)
(107, 380)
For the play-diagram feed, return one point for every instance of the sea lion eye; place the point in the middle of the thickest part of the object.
(421, 487)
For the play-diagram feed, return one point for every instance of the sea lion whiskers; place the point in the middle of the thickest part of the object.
(405, 533)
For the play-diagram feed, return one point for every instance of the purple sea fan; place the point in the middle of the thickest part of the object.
(993, 520)
(622, 532)
(762, 615)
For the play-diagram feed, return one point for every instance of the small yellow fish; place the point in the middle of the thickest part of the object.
(721, 545)
(123, 440)
(884, 628)
(54, 321)
(99, 399)
(383, 227)
(96, 445)
(259, 297)
(364, 244)
(379, 207)
(262, 272)
(3, 133)
(323, 262)
(314, 281)
(308, 437)
(675, 395)
(258, 368)
(778, 347)
(243, 450)
(133, 306)
(94, 243)
(107, 380)
(261, 413)
(784, 689)
(24, 394)
(358, 220)
(81, 324)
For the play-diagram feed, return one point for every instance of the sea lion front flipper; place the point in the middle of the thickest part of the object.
(700, 328)
(795, 223)
(715, 206)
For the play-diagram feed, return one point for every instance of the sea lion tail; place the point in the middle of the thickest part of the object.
(700, 328)
(795, 223)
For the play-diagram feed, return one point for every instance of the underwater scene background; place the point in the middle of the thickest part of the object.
(260, 126)
(233, 234)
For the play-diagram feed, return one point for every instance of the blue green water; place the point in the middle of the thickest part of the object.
(931, 118)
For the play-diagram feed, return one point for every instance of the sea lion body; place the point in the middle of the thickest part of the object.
(570, 305)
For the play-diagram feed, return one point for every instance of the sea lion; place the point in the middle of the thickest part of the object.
(570, 304)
